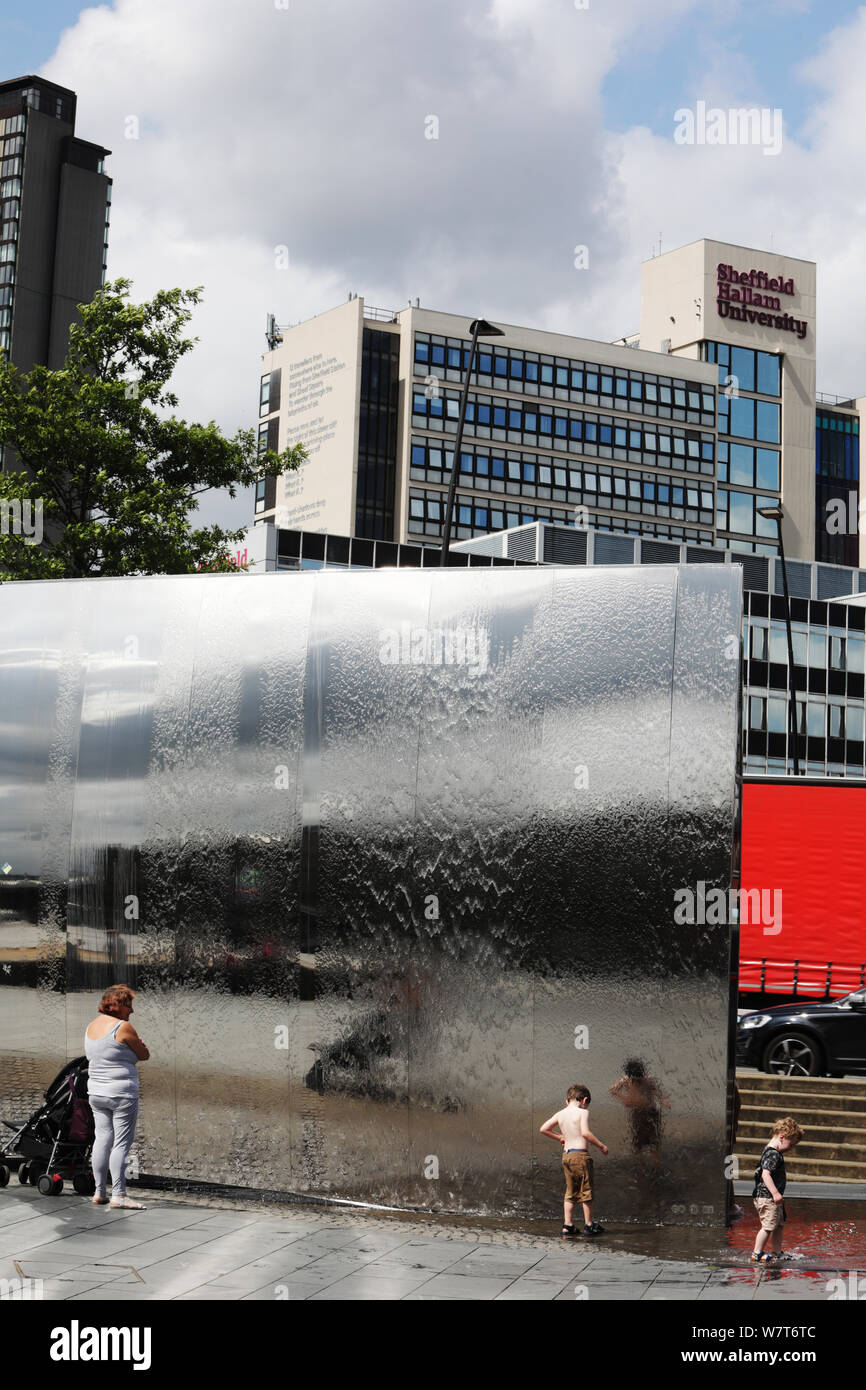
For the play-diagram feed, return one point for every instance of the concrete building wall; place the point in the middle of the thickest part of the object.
(320, 362)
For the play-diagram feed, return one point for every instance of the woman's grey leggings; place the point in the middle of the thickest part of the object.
(114, 1119)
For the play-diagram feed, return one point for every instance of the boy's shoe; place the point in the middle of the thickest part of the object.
(593, 1230)
(765, 1258)
(567, 1232)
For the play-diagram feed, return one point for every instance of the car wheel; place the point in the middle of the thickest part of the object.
(793, 1054)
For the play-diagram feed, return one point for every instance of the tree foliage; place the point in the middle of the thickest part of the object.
(102, 460)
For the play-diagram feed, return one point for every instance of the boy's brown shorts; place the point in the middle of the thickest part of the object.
(578, 1177)
(770, 1213)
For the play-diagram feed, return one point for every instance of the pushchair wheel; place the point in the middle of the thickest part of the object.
(50, 1184)
(24, 1173)
(84, 1184)
(4, 1175)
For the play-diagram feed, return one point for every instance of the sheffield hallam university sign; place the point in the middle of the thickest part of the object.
(741, 294)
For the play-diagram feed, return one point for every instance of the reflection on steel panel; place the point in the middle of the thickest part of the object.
(390, 859)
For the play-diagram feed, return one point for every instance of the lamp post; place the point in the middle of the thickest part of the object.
(479, 328)
(777, 514)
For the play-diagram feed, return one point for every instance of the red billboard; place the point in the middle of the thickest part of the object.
(805, 843)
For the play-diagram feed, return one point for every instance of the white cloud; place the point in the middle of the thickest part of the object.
(305, 127)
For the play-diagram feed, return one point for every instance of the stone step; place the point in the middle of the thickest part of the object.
(807, 1114)
(754, 1132)
(819, 1085)
(804, 1169)
(802, 1100)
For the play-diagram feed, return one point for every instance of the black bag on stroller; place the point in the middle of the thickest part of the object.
(56, 1140)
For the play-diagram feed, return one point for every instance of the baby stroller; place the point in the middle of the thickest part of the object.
(56, 1140)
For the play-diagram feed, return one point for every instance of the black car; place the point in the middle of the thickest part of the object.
(807, 1038)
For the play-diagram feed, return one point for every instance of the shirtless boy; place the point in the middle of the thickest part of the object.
(575, 1136)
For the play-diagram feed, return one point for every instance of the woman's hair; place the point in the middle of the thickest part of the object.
(114, 998)
(578, 1093)
(634, 1069)
(788, 1129)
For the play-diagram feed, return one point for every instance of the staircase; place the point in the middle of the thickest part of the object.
(832, 1114)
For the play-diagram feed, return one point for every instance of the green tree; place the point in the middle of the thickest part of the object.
(97, 447)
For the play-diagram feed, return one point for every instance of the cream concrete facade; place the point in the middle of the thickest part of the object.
(320, 380)
(686, 298)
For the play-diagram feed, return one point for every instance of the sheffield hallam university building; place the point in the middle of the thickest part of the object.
(390, 858)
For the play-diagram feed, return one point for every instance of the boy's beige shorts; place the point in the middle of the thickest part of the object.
(771, 1215)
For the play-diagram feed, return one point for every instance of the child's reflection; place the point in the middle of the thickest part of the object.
(643, 1097)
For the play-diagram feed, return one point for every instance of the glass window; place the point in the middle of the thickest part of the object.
(759, 643)
(836, 722)
(779, 645)
(741, 512)
(855, 654)
(837, 653)
(743, 367)
(817, 722)
(777, 715)
(742, 464)
(818, 649)
(767, 469)
(798, 642)
(743, 418)
(757, 712)
(768, 374)
(854, 722)
(768, 422)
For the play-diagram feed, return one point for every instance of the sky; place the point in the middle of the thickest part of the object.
(278, 153)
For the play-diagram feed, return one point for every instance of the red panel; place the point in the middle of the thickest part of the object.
(808, 842)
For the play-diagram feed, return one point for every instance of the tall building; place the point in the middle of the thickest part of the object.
(683, 433)
(55, 202)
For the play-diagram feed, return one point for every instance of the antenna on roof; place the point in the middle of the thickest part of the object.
(272, 333)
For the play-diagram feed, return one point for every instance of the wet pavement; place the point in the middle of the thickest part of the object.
(207, 1247)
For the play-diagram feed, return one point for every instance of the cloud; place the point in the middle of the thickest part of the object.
(307, 127)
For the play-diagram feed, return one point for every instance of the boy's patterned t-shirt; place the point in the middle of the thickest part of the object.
(772, 1160)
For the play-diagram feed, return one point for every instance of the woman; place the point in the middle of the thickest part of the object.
(112, 1047)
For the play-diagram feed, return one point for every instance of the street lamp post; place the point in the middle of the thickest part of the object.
(479, 328)
(776, 514)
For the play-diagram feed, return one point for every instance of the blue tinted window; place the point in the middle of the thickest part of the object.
(436, 406)
(531, 374)
(619, 436)
(465, 463)
(422, 352)
(517, 366)
(741, 512)
(768, 374)
(664, 492)
(416, 506)
(605, 434)
(499, 468)
(500, 366)
(768, 422)
(561, 426)
(529, 472)
(768, 469)
(546, 424)
(648, 492)
(454, 357)
(499, 416)
(576, 429)
(591, 381)
(742, 417)
(562, 376)
(438, 354)
(514, 419)
(418, 456)
(634, 439)
(530, 422)
(480, 516)
(419, 403)
(577, 381)
(706, 449)
(678, 496)
(634, 390)
(464, 515)
(589, 430)
(742, 461)
(607, 386)
(743, 367)
(482, 465)
(483, 414)
(547, 373)
(485, 363)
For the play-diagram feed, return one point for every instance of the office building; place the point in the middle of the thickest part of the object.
(682, 432)
(55, 202)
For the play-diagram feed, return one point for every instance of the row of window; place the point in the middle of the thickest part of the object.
(749, 419)
(10, 188)
(751, 369)
(12, 125)
(846, 652)
(11, 168)
(554, 429)
(816, 718)
(738, 511)
(532, 372)
(749, 465)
